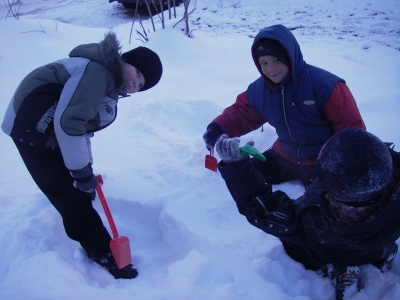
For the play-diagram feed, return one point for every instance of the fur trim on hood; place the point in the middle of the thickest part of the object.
(106, 52)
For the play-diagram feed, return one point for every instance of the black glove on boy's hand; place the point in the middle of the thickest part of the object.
(212, 135)
(84, 179)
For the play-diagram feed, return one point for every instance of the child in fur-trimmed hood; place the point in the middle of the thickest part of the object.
(53, 114)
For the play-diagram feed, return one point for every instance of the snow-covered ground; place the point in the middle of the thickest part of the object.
(187, 239)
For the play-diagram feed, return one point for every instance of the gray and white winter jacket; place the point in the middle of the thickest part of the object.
(63, 103)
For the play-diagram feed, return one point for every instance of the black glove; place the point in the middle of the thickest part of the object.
(228, 149)
(84, 179)
(212, 135)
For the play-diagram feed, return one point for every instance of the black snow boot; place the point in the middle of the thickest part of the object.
(108, 262)
(345, 278)
(386, 263)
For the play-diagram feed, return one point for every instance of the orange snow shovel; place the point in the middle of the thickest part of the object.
(119, 245)
(211, 162)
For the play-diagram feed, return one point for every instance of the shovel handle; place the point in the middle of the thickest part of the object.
(105, 206)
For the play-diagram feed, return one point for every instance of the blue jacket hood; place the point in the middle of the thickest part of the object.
(286, 38)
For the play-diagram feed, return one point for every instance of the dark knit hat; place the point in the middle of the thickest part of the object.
(273, 48)
(354, 166)
(147, 62)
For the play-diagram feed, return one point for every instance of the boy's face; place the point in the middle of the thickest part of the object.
(273, 68)
(134, 79)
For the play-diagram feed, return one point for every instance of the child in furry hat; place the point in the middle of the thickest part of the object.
(305, 104)
(51, 118)
(349, 216)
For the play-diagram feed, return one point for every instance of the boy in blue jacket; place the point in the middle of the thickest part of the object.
(305, 104)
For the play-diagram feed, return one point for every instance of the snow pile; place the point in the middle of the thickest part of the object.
(187, 239)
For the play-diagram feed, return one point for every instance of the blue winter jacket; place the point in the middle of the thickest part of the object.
(295, 107)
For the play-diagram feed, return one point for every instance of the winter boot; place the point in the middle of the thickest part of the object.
(386, 263)
(326, 271)
(108, 262)
(344, 279)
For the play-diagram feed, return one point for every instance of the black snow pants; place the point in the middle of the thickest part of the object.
(81, 221)
(276, 169)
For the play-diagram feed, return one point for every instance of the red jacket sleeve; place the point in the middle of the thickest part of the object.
(341, 109)
(239, 118)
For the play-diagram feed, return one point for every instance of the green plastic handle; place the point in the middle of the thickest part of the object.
(249, 149)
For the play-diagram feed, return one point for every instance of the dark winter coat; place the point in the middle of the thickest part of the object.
(63, 103)
(309, 223)
(306, 109)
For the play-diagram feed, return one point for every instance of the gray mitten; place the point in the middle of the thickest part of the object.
(228, 149)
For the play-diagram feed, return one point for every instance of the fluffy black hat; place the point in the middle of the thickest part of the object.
(354, 165)
(147, 62)
(273, 48)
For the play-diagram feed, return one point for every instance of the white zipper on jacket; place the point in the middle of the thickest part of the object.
(284, 112)
(286, 121)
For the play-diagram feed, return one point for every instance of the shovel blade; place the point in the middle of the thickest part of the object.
(249, 149)
(121, 250)
(211, 163)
